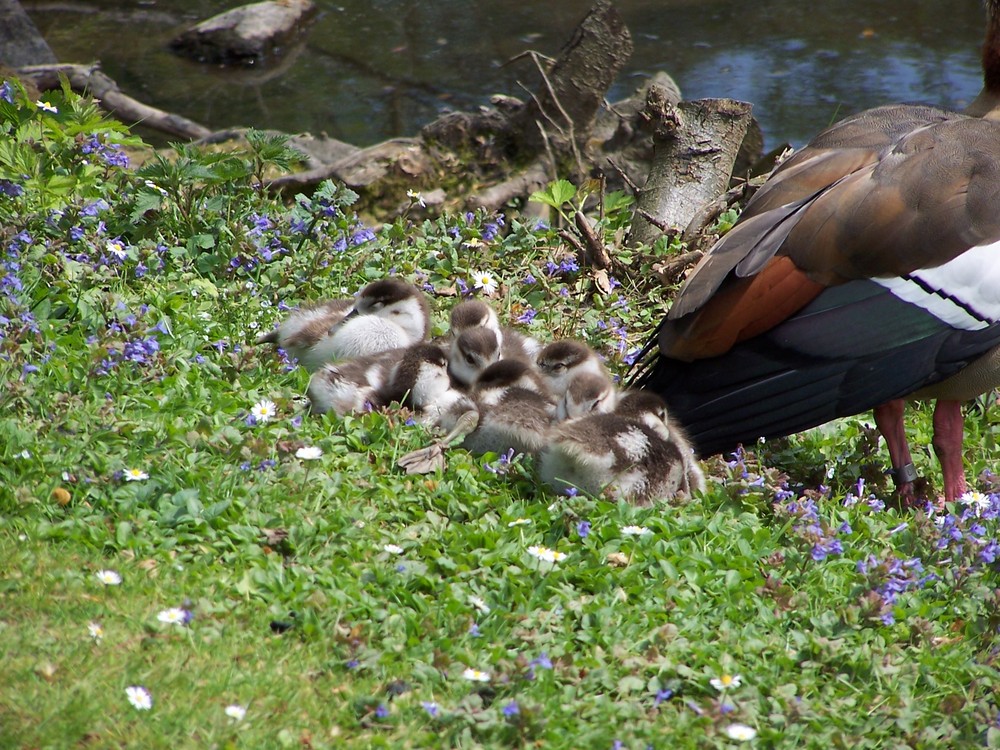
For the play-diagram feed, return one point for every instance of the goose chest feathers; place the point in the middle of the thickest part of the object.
(864, 271)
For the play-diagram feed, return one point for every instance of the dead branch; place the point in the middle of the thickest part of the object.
(524, 182)
(90, 80)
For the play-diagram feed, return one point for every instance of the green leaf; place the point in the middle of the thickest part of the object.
(556, 194)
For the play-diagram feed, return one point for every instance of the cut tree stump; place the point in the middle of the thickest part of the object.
(695, 147)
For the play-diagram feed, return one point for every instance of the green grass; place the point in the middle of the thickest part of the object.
(301, 613)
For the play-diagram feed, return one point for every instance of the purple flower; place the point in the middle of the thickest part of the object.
(542, 662)
(583, 529)
(352, 664)
(529, 279)
(92, 209)
(527, 316)
(382, 711)
(989, 553)
(10, 189)
(825, 548)
(7, 92)
(431, 708)
(511, 710)
(569, 265)
(663, 695)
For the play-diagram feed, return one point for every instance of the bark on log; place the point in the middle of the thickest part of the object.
(695, 146)
(363, 168)
(20, 42)
(88, 79)
(523, 183)
(562, 113)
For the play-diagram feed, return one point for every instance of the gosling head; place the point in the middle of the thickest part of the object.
(645, 407)
(396, 301)
(420, 378)
(473, 314)
(561, 361)
(587, 393)
(506, 375)
(472, 351)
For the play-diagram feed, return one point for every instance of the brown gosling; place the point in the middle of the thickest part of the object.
(477, 314)
(562, 360)
(587, 393)
(634, 453)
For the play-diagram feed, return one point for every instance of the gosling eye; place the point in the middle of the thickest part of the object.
(559, 366)
(470, 359)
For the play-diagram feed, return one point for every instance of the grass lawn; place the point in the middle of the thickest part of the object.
(174, 575)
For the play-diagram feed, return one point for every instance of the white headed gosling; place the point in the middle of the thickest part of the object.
(387, 314)
(587, 393)
(472, 351)
(305, 333)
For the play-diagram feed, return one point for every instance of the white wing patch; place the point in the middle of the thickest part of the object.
(964, 292)
(634, 442)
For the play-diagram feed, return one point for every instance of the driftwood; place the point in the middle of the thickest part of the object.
(696, 144)
(365, 167)
(563, 128)
(88, 79)
(523, 183)
(561, 114)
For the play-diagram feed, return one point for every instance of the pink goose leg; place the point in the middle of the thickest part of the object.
(889, 420)
(948, 431)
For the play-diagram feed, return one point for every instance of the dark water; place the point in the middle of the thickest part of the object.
(371, 70)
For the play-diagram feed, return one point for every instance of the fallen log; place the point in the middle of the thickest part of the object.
(695, 147)
(88, 79)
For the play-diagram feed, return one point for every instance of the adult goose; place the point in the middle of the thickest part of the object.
(866, 270)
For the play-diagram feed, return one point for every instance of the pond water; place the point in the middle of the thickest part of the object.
(367, 71)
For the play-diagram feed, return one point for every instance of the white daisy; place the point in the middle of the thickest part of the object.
(519, 522)
(740, 732)
(546, 554)
(393, 549)
(480, 604)
(726, 682)
(975, 500)
(264, 411)
(416, 197)
(135, 475)
(117, 249)
(95, 630)
(108, 577)
(153, 186)
(173, 616)
(236, 712)
(484, 281)
(139, 697)
(309, 453)
(635, 530)
(46, 106)
(475, 675)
